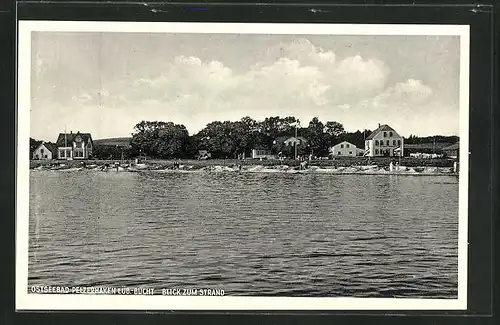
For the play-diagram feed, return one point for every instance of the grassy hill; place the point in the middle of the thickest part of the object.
(121, 142)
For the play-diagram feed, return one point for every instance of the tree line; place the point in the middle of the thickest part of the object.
(232, 139)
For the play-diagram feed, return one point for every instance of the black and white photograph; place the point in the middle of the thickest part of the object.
(211, 166)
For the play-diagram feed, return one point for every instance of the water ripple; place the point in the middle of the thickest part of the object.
(250, 234)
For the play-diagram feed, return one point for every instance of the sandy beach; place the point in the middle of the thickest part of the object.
(381, 167)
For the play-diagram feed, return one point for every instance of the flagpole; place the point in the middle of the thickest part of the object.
(296, 141)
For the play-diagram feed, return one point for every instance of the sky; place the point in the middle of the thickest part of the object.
(105, 83)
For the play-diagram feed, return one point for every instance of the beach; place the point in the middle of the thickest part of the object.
(339, 166)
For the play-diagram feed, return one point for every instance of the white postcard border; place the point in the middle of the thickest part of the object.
(25, 301)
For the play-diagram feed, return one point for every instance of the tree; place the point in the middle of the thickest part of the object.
(227, 139)
(161, 139)
(334, 129)
(33, 145)
(318, 141)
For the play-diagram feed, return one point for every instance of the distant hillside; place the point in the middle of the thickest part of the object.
(121, 142)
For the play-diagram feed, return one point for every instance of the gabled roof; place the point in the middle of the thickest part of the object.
(64, 138)
(454, 146)
(50, 146)
(352, 144)
(381, 128)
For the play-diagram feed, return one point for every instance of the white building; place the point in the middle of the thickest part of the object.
(74, 146)
(384, 141)
(262, 154)
(344, 149)
(45, 151)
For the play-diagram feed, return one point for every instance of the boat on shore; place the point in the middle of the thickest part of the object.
(242, 168)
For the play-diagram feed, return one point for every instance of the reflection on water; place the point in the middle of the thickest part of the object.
(249, 234)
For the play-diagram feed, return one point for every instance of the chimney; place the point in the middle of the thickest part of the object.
(379, 125)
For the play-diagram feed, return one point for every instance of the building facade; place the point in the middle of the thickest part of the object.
(45, 151)
(384, 142)
(74, 146)
(452, 151)
(262, 154)
(344, 148)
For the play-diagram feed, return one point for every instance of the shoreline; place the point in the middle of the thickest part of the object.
(338, 162)
(255, 167)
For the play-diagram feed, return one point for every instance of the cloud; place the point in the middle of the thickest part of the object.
(408, 93)
(295, 78)
(289, 79)
(411, 107)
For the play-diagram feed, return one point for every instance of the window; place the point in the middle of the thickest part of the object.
(381, 142)
(62, 154)
(399, 142)
(340, 153)
(376, 142)
(388, 143)
(45, 156)
(390, 134)
(41, 151)
(350, 152)
(385, 134)
(342, 146)
(347, 146)
(36, 156)
(393, 142)
(376, 151)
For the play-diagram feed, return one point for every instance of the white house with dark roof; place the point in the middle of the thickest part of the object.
(345, 149)
(74, 146)
(45, 151)
(384, 141)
